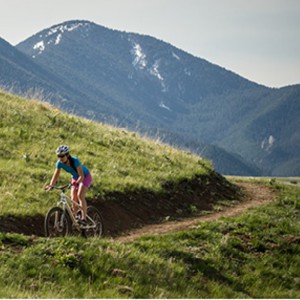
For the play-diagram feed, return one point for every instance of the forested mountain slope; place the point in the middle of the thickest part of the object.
(143, 83)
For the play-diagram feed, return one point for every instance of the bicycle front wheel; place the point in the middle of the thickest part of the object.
(94, 220)
(57, 223)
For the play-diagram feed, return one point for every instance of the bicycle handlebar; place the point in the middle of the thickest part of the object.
(63, 187)
(67, 186)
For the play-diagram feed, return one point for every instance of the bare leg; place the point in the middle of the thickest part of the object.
(74, 197)
(81, 197)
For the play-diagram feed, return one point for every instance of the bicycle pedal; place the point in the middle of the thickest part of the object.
(82, 224)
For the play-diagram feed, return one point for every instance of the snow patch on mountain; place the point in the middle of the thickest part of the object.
(40, 46)
(58, 39)
(162, 105)
(175, 56)
(139, 61)
(55, 35)
(66, 27)
(154, 70)
(268, 143)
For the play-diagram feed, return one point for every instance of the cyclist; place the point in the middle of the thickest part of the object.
(81, 179)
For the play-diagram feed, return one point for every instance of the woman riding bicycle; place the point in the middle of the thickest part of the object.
(81, 178)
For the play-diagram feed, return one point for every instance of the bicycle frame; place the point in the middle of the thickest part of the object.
(64, 203)
(64, 199)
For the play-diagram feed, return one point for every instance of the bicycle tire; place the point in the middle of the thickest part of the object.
(52, 229)
(96, 216)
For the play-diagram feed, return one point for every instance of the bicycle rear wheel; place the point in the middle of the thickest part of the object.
(94, 220)
(57, 223)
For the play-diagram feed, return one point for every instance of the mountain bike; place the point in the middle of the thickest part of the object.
(61, 221)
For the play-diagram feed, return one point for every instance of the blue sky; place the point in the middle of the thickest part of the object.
(259, 40)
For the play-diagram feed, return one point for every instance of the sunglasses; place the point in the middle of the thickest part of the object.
(61, 156)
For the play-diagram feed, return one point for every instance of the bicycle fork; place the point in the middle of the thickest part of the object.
(59, 221)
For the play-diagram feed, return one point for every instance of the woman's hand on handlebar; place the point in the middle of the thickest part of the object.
(48, 187)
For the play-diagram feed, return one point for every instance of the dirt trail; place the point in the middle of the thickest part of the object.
(255, 195)
(129, 216)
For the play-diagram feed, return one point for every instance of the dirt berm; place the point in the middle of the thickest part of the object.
(124, 211)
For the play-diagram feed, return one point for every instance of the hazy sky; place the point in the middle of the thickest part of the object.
(258, 39)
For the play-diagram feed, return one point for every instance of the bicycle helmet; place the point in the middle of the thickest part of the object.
(62, 150)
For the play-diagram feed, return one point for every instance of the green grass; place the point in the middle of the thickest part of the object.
(254, 255)
(119, 160)
(273, 180)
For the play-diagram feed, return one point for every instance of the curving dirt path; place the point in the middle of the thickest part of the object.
(255, 195)
(128, 218)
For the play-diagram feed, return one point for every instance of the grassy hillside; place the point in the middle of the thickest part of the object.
(254, 255)
(250, 256)
(120, 161)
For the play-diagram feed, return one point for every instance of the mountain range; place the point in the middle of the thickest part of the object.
(147, 85)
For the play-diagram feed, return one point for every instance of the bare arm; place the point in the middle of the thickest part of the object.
(55, 177)
(81, 175)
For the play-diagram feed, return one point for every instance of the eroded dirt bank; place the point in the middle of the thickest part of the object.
(129, 215)
(253, 196)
